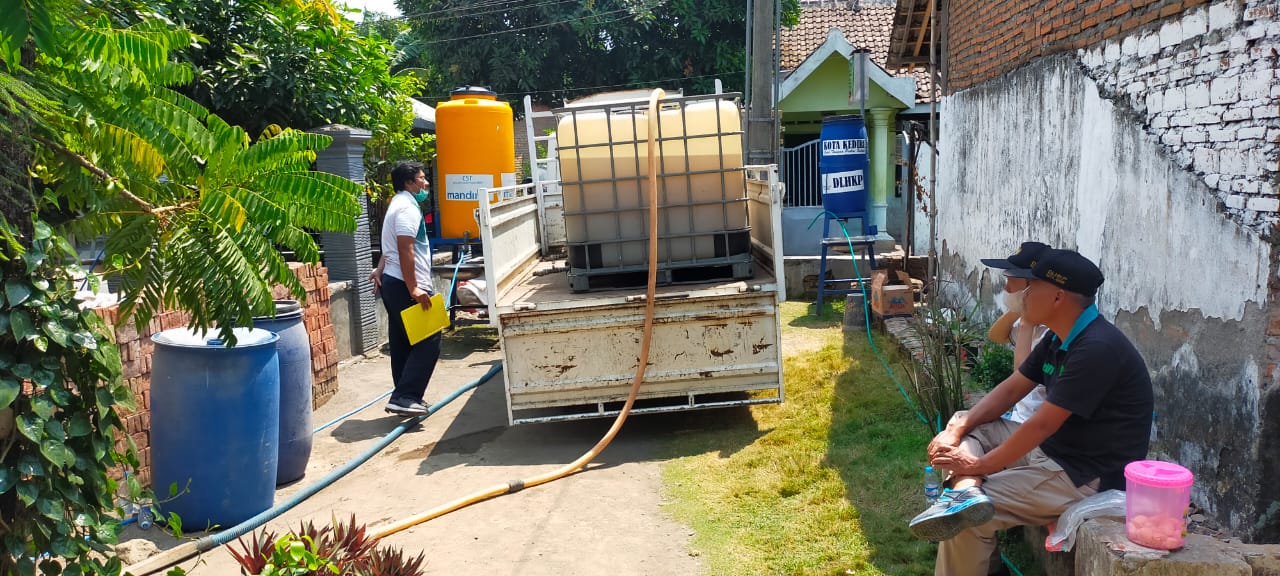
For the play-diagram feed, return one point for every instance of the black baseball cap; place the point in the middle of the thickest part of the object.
(1025, 257)
(1066, 269)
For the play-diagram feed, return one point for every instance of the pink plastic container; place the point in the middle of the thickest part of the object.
(1157, 497)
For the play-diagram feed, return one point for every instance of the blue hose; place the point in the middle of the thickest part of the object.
(448, 298)
(214, 540)
(353, 412)
(867, 318)
(188, 549)
(866, 315)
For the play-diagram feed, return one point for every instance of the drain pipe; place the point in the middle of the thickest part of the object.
(647, 334)
(178, 554)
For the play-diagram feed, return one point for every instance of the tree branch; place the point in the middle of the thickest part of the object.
(96, 171)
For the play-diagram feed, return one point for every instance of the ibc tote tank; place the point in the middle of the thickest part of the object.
(475, 149)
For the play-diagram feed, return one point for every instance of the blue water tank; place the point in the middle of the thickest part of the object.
(215, 425)
(843, 166)
(294, 348)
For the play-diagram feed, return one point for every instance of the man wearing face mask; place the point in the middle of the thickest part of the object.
(403, 279)
(1095, 419)
(1010, 329)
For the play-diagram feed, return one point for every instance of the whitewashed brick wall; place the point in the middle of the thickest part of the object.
(1208, 87)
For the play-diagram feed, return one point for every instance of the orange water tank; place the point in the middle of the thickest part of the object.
(475, 149)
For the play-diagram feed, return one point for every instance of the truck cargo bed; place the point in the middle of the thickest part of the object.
(571, 355)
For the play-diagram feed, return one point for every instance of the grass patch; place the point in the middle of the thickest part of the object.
(825, 482)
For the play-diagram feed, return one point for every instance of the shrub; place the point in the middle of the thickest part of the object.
(336, 549)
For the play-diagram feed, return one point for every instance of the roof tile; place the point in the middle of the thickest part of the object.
(868, 25)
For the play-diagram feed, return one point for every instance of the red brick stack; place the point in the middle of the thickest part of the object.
(135, 356)
(324, 349)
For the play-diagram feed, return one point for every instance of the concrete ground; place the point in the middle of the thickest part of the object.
(607, 519)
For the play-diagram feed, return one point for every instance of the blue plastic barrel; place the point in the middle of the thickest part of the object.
(215, 414)
(843, 166)
(294, 348)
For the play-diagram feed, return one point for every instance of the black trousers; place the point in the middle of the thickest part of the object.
(411, 366)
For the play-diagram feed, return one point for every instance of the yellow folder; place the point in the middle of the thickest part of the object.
(421, 324)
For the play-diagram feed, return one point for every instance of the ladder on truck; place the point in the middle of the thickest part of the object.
(545, 172)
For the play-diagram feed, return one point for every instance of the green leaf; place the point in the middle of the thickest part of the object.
(51, 508)
(30, 426)
(61, 396)
(7, 479)
(55, 430)
(33, 258)
(6, 358)
(43, 231)
(23, 370)
(79, 426)
(42, 378)
(51, 568)
(20, 321)
(173, 489)
(28, 492)
(17, 292)
(117, 261)
(42, 407)
(30, 465)
(175, 524)
(4, 322)
(9, 390)
(58, 333)
(57, 453)
(13, 29)
(85, 340)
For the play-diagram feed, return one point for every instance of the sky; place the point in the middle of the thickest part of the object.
(382, 6)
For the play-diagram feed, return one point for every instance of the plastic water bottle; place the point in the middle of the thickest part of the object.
(127, 507)
(146, 518)
(932, 485)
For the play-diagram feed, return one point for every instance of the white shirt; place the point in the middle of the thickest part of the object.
(405, 219)
(1028, 405)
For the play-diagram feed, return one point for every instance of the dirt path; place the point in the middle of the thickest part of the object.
(607, 520)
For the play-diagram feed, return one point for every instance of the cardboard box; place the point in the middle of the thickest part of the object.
(891, 295)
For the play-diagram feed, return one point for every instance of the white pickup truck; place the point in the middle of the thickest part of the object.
(573, 355)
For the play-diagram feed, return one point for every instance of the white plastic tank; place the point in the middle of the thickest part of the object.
(604, 170)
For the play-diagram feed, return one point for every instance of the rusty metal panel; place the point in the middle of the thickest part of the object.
(588, 354)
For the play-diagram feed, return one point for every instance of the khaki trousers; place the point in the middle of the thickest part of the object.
(1032, 491)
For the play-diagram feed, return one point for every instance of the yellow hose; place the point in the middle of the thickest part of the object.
(570, 468)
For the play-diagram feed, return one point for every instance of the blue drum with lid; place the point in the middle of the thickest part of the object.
(843, 166)
(215, 425)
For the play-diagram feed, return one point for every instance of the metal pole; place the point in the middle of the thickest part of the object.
(760, 106)
(774, 134)
(933, 146)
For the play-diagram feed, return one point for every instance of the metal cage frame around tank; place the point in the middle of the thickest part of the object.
(736, 262)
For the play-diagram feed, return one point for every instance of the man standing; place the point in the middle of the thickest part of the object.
(403, 278)
(1095, 420)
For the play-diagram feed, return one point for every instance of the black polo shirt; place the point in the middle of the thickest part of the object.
(1099, 376)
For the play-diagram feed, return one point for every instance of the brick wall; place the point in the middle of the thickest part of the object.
(136, 349)
(324, 349)
(1204, 83)
(987, 38)
(135, 357)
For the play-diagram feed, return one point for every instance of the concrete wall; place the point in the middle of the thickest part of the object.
(341, 313)
(1041, 154)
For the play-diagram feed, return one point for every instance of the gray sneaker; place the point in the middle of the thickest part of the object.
(406, 408)
(954, 512)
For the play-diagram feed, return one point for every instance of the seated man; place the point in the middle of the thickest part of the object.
(1095, 420)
